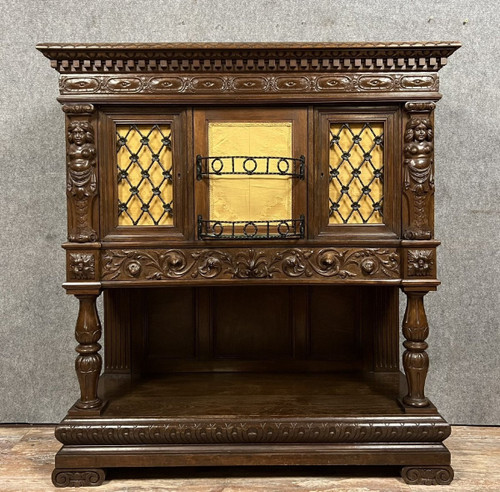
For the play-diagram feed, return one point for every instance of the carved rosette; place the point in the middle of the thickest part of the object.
(81, 175)
(272, 263)
(81, 266)
(420, 262)
(418, 171)
(248, 431)
(427, 475)
(64, 477)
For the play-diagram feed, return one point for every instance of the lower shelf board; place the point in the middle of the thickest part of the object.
(256, 395)
(254, 419)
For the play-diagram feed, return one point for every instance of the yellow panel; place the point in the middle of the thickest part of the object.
(356, 173)
(145, 190)
(250, 197)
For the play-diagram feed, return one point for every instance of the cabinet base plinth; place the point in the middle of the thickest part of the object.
(253, 419)
(423, 463)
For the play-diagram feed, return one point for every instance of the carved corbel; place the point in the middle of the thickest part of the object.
(418, 171)
(81, 172)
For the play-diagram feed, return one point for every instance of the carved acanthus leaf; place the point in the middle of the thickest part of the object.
(176, 264)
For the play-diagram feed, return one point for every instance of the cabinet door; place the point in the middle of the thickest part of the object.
(144, 174)
(356, 179)
(250, 173)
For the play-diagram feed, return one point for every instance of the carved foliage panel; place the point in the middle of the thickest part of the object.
(273, 263)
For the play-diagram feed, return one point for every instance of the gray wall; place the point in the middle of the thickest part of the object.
(37, 381)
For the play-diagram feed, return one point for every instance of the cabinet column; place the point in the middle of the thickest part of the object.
(88, 363)
(415, 358)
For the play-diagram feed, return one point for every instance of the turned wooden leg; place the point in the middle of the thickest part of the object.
(63, 477)
(415, 358)
(427, 475)
(88, 362)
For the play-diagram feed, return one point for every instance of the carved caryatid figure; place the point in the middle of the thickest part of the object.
(419, 174)
(82, 182)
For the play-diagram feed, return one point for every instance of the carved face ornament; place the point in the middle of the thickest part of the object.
(421, 132)
(80, 133)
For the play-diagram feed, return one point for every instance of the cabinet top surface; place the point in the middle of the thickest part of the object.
(258, 45)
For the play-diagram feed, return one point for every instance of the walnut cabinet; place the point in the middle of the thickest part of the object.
(250, 214)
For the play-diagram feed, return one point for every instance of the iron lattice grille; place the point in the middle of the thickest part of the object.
(356, 186)
(145, 188)
(258, 229)
(250, 166)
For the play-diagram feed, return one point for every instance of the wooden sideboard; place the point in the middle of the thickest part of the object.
(250, 213)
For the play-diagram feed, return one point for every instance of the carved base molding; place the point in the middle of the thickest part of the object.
(270, 263)
(217, 431)
(427, 475)
(78, 478)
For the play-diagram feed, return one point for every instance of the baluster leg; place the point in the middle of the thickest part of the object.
(415, 358)
(88, 363)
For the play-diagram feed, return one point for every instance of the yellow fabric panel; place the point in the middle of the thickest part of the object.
(347, 144)
(250, 197)
(150, 173)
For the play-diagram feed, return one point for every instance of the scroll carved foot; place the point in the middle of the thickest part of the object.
(427, 475)
(64, 477)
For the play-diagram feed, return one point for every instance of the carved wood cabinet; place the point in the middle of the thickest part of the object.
(250, 213)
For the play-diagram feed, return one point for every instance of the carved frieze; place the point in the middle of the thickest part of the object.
(230, 431)
(265, 83)
(81, 183)
(81, 266)
(418, 170)
(272, 263)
